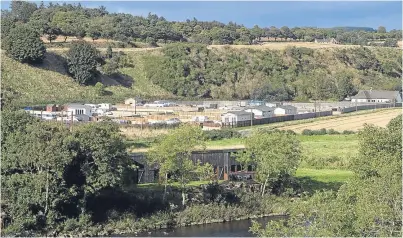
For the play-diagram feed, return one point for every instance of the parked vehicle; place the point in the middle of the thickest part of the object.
(173, 121)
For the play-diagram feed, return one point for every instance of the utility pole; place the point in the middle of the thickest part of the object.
(251, 118)
(71, 122)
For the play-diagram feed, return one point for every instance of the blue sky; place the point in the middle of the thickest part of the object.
(284, 13)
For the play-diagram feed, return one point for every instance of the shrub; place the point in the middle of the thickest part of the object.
(24, 44)
(291, 132)
(332, 132)
(347, 132)
(82, 62)
(221, 134)
(307, 132)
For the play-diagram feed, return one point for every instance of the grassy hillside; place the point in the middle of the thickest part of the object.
(24, 84)
(197, 71)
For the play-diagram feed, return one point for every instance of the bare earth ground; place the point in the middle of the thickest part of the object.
(353, 123)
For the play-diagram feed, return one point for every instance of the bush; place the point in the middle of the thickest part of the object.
(82, 62)
(291, 132)
(332, 132)
(347, 132)
(307, 132)
(24, 44)
(221, 134)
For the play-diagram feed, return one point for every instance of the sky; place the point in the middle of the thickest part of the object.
(265, 14)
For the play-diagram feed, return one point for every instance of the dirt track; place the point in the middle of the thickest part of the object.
(353, 123)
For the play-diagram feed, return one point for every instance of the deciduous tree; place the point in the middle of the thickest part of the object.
(23, 44)
(172, 154)
(82, 62)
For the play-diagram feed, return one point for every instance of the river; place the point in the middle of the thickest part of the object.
(226, 229)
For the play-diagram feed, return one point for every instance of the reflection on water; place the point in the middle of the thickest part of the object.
(226, 229)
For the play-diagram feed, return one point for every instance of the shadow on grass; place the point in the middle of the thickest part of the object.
(309, 185)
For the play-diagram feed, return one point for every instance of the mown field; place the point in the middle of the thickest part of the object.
(353, 123)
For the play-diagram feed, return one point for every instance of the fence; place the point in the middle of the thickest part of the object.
(367, 107)
(278, 119)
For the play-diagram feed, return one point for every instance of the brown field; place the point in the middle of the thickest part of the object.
(71, 38)
(353, 123)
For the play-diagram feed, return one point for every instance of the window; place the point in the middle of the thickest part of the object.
(373, 100)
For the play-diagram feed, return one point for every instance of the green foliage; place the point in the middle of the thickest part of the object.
(100, 89)
(192, 70)
(369, 204)
(390, 43)
(23, 44)
(323, 131)
(172, 154)
(22, 10)
(109, 52)
(82, 62)
(221, 134)
(273, 153)
(49, 173)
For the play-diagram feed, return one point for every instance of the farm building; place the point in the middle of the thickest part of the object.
(79, 109)
(261, 111)
(236, 116)
(285, 110)
(223, 161)
(327, 41)
(381, 96)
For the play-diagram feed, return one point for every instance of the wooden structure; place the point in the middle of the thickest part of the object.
(223, 161)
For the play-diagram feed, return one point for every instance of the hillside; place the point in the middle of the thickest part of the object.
(226, 72)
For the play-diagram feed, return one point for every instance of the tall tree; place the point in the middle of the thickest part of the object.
(172, 154)
(22, 10)
(273, 153)
(381, 29)
(23, 44)
(82, 62)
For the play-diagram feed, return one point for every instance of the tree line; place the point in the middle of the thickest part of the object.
(68, 20)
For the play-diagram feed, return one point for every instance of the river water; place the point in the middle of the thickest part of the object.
(226, 229)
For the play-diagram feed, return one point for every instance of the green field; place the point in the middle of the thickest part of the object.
(318, 151)
(49, 83)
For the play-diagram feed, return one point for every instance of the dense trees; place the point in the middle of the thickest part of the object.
(23, 44)
(49, 173)
(368, 205)
(192, 70)
(82, 62)
(75, 20)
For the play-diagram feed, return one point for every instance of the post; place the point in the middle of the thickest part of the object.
(251, 118)
(71, 122)
(41, 114)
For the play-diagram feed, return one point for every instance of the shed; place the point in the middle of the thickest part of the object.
(130, 101)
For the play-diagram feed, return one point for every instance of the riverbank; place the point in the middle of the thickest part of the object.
(200, 214)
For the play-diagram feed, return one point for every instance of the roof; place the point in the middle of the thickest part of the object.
(262, 108)
(287, 107)
(238, 113)
(78, 106)
(376, 94)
